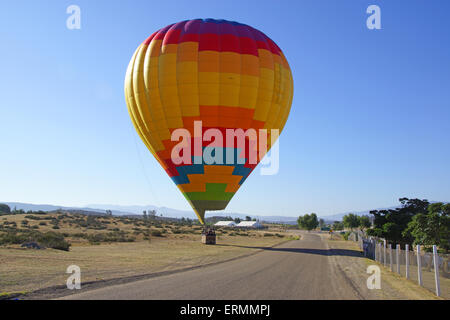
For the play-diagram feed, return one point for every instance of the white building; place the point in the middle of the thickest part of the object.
(250, 224)
(225, 224)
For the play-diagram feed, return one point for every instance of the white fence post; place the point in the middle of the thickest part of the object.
(375, 250)
(419, 266)
(397, 254)
(390, 257)
(378, 253)
(436, 271)
(407, 260)
(384, 244)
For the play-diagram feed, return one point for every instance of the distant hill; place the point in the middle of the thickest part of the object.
(174, 213)
(137, 210)
(49, 207)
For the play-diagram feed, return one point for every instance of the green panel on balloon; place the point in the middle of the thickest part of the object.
(214, 191)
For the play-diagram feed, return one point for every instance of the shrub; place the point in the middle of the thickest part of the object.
(279, 235)
(156, 233)
(49, 239)
(109, 237)
(13, 238)
(4, 209)
(53, 240)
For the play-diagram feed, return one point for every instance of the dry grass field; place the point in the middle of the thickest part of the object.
(107, 247)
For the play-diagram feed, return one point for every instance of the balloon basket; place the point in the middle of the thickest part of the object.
(208, 236)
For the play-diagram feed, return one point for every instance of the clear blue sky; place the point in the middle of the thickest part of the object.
(370, 120)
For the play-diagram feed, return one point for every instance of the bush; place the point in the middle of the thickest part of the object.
(12, 238)
(37, 218)
(53, 240)
(49, 239)
(109, 237)
(156, 233)
(5, 209)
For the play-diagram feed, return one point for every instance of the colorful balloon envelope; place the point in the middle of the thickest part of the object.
(221, 75)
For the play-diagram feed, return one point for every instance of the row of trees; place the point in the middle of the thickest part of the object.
(351, 221)
(414, 222)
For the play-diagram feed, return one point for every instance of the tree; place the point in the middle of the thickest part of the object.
(248, 218)
(432, 228)
(338, 225)
(321, 223)
(391, 224)
(364, 222)
(351, 221)
(108, 212)
(152, 214)
(144, 213)
(4, 208)
(308, 221)
(237, 220)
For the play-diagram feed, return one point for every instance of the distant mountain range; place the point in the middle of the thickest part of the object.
(50, 207)
(137, 210)
(172, 213)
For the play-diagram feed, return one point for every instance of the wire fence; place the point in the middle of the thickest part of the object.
(411, 262)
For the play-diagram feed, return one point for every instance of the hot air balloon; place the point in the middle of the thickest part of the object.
(225, 74)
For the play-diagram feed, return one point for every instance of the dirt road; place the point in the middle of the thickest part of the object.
(300, 269)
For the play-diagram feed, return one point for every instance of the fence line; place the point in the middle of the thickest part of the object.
(432, 269)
